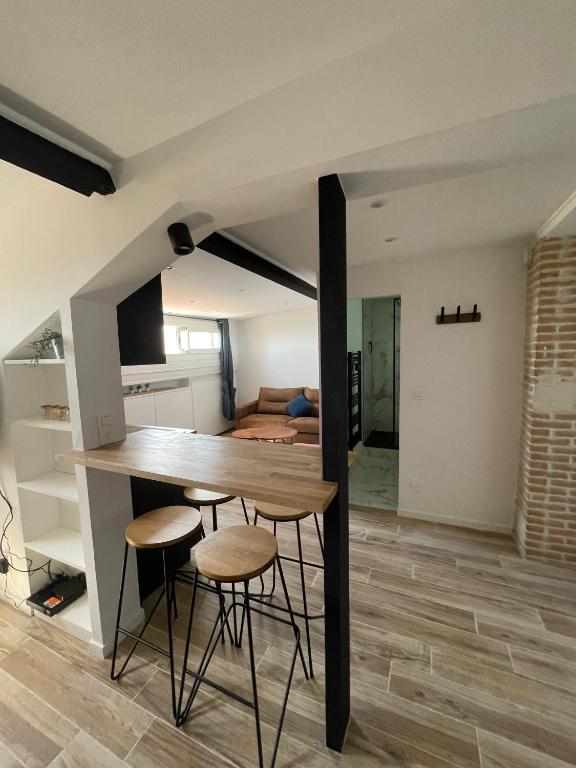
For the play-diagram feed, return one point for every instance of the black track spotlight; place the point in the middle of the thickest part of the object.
(180, 238)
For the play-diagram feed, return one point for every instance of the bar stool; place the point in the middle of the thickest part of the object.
(235, 555)
(199, 497)
(158, 529)
(280, 514)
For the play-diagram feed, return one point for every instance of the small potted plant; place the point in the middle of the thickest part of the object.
(48, 345)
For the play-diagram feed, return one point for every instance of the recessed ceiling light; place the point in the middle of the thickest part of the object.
(192, 301)
(378, 203)
(241, 290)
(390, 239)
(170, 266)
(286, 303)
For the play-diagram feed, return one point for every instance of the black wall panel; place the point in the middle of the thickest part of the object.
(140, 326)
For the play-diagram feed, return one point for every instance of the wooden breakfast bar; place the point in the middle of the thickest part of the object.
(276, 473)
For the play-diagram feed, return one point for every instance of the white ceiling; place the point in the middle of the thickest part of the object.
(135, 73)
(204, 285)
(503, 205)
(489, 182)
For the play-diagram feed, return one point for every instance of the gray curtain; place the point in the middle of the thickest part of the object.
(226, 371)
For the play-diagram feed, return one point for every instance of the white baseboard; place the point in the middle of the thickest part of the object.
(479, 525)
(102, 650)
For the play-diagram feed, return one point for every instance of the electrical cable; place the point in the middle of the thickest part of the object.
(45, 568)
(9, 597)
(7, 522)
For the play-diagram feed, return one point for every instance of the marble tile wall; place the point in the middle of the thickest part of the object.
(380, 346)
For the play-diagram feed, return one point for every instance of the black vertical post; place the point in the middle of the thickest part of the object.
(334, 405)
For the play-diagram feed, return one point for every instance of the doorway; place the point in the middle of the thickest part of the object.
(381, 353)
(374, 330)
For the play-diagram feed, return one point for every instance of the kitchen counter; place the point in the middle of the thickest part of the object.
(276, 473)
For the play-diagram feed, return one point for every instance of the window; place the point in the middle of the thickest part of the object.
(188, 335)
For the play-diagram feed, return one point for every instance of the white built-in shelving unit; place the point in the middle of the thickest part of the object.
(39, 423)
(42, 362)
(59, 485)
(47, 490)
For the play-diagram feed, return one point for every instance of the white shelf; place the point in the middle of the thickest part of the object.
(75, 619)
(47, 361)
(38, 423)
(58, 484)
(61, 544)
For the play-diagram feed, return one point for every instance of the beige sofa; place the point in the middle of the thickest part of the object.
(270, 409)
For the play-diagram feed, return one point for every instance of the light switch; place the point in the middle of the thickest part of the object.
(105, 424)
(417, 394)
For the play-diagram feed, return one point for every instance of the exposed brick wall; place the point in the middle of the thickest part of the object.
(546, 500)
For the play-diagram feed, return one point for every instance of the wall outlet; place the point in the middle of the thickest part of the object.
(417, 394)
(104, 429)
(416, 486)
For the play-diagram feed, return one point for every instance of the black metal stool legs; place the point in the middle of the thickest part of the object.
(113, 674)
(248, 613)
(304, 614)
(262, 587)
(304, 598)
(168, 582)
(187, 646)
(199, 676)
(245, 512)
(119, 630)
(168, 592)
(292, 617)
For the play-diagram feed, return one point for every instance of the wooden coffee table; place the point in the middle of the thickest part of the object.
(267, 434)
(242, 434)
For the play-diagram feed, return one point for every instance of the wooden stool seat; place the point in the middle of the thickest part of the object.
(236, 553)
(164, 527)
(278, 513)
(203, 498)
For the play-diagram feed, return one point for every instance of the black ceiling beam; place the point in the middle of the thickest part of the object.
(38, 155)
(237, 254)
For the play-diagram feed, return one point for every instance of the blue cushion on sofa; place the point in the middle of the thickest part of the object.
(300, 406)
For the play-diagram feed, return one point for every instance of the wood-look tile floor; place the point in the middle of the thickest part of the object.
(463, 656)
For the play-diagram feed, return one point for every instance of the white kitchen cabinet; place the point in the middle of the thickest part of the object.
(208, 407)
(174, 409)
(140, 410)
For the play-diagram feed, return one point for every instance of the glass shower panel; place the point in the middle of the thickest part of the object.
(396, 405)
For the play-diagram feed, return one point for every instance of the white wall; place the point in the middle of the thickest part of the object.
(460, 442)
(277, 351)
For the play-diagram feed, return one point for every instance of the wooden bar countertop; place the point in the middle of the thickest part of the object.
(273, 472)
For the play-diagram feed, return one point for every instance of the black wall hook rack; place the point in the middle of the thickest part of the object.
(459, 317)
